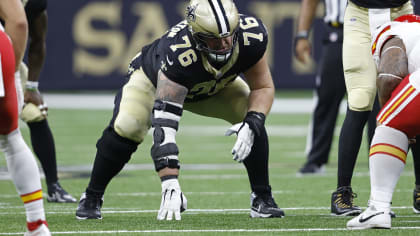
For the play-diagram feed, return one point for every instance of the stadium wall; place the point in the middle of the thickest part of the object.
(90, 43)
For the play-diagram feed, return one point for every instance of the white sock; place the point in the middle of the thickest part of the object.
(25, 174)
(387, 156)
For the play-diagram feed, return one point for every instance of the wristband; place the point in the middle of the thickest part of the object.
(256, 121)
(166, 177)
(303, 34)
(31, 85)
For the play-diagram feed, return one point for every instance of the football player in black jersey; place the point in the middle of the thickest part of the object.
(194, 66)
(34, 112)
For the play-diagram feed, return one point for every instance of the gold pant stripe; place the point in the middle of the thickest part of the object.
(30, 197)
(397, 103)
(389, 150)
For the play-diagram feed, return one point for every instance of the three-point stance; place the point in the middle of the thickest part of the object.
(194, 66)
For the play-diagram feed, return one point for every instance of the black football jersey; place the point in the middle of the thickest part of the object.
(34, 7)
(379, 3)
(175, 54)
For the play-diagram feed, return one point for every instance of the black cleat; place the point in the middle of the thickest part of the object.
(416, 201)
(89, 207)
(264, 206)
(56, 193)
(342, 202)
(392, 214)
(311, 169)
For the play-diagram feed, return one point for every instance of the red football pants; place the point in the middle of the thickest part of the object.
(8, 102)
(402, 111)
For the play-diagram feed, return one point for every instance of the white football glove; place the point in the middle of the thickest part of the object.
(244, 141)
(173, 200)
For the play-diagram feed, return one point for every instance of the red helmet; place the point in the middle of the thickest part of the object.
(408, 18)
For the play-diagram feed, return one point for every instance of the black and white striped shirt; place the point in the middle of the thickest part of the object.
(334, 11)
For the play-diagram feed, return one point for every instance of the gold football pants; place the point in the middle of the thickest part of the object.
(133, 109)
(359, 67)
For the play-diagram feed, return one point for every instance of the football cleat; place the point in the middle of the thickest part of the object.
(311, 169)
(40, 229)
(264, 206)
(371, 218)
(416, 201)
(56, 193)
(392, 214)
(342, 202)
(89, 207)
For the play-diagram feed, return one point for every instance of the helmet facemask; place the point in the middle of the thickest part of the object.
(219, 55)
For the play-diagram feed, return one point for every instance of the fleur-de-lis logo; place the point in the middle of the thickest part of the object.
(190, 12)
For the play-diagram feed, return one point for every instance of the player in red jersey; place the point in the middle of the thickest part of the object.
(396, 51)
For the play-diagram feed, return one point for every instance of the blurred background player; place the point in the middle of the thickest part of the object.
(20, 160)
(360, 19)
(396, 49)
(330, 86)
(34, 112)
(194, 66)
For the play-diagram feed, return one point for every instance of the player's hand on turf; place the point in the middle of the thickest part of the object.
(173, 200)
(244, 141)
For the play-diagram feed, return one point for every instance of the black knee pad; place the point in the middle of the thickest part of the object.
(114, 147)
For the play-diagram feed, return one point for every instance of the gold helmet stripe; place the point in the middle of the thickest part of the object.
(221, 19)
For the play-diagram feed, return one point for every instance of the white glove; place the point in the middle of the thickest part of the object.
(244, 142)
(173, 200)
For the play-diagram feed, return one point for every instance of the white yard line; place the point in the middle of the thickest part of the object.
(207, 211)
(110, 210)
(4, 175)
(207, 231)
(106, 101)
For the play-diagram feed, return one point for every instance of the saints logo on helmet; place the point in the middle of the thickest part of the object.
(213, 20)
(190, 13)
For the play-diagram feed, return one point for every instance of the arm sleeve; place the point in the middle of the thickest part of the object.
(34, 7)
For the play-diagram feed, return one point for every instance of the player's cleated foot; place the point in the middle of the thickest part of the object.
(371, 218)
(56, 193)
(342, 202)
(311, 169)
(89, 207)
(38, 228)
(416, 201)
(264, 206)
(392, 214)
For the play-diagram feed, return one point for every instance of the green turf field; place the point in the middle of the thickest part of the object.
(218, 193)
